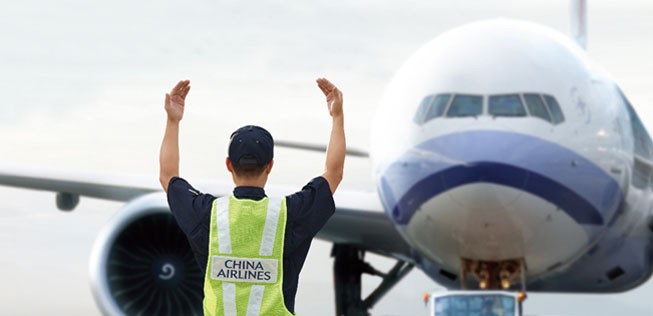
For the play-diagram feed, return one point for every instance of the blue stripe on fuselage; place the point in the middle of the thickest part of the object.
(554, 173)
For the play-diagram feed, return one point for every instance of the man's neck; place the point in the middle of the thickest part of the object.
(253, 182)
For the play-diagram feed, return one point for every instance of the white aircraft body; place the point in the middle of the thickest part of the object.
(503, 158)
(515, 145)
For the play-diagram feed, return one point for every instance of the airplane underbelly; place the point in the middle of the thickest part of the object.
(491, 222)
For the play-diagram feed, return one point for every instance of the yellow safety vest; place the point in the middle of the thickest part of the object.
(244, 273)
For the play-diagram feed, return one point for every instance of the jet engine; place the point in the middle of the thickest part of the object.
(142, 263)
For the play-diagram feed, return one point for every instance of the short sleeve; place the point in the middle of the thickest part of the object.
(189, 206)
(308, 210)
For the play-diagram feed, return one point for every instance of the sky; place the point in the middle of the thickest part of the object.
(82, 89)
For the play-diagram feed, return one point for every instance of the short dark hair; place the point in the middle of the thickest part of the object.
(249, 171)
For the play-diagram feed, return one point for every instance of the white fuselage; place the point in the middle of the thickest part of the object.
(502, 140)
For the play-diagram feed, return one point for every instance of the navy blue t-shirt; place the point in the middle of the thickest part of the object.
(307, 212)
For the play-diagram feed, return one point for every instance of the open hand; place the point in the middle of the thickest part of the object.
(333, 96)
(174, 104)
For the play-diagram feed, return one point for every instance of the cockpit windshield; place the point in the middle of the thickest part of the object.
(450, 105)
(506, 105)
(466, 105)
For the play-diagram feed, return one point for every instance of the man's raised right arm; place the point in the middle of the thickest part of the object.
(335, 155)
(169, 153)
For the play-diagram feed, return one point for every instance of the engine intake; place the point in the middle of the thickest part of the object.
(142, 263)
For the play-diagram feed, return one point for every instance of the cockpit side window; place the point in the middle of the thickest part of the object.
(554, 108)
(439, 104)
(432, 106)
(536, 106)
(643, 143)
(506, 105)
(642, 171)
(465, 105)
(420, 116)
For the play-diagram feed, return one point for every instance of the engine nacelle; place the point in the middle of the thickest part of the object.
(142, 263)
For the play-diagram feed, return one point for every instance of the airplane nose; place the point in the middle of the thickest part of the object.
(483, 160)
(489, 160)
(485, 193)
(494, 194)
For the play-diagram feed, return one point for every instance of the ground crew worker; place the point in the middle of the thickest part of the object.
(251, 247)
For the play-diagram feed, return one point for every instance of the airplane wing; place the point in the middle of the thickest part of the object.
(359, 219)
(97, 185)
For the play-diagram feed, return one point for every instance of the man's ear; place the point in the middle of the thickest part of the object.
(230, 167)
(268, 168)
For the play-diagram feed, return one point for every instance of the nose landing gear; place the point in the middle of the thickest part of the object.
(494, 275)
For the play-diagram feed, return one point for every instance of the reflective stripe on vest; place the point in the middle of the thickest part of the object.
(244, 272)
(224, 237)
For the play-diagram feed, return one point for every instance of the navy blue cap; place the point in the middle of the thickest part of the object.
(251, 145)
